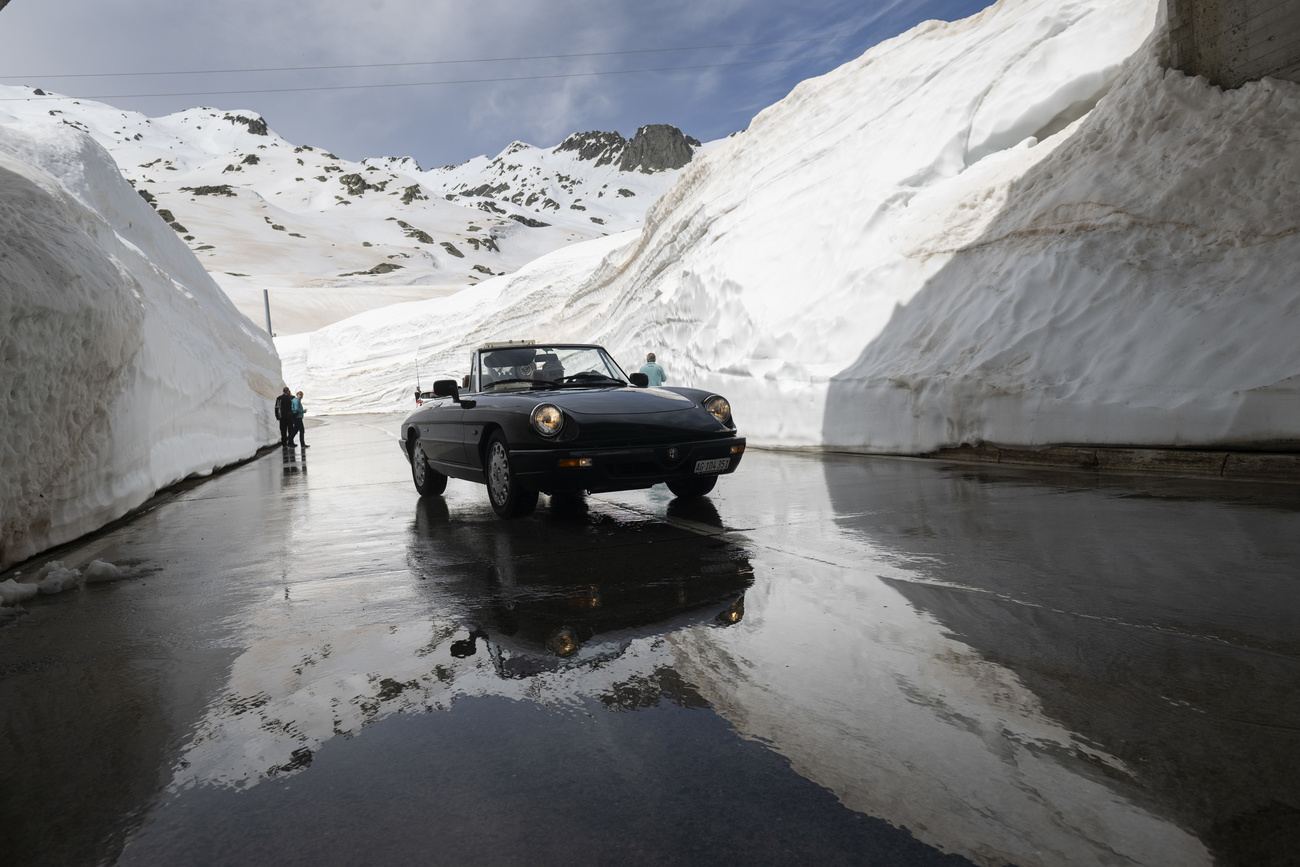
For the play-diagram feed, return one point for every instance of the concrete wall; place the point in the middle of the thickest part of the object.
(1231, 42)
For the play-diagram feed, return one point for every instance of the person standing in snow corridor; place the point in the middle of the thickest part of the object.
(653, 371)
(284, 414)
(298, 412)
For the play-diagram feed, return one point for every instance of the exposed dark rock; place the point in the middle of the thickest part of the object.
(488, 243)
(550, 203)
(256, 125)
(210, 190)
(381, 268)
(357, 185)
(178, 227)
(412, 232)
(168, 216)
(484, 269)
(251, 160)
(486, 190)
(296, 235)
(528, 221)
(148, 197)
(277, 227)
(597, 220)
(603, 147)
(412, 193)
(330, 156)
(576, 207)
(657, 147)
(37, 91)
(491, 207)
(528, 202)
(451, 248)
(625, 193)
(231, 169)
(322, 178)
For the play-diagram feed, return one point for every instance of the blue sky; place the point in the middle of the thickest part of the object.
(538, 100)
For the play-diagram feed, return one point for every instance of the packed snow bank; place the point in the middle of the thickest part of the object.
(1017, 228)
(125, 367)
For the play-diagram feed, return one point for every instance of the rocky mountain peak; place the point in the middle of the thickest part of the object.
(603, 147)
(656, 148)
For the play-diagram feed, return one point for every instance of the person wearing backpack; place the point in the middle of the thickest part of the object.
(299, 412)
(284, 414)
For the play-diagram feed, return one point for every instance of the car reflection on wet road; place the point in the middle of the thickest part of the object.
(831, 659)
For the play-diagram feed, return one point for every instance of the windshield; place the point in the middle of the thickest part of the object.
(541, 366)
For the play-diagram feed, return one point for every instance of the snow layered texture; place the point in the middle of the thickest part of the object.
(329, 238)
(125, 366)
(1018, 228)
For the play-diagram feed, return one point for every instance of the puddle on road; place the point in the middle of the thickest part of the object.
(888, 659)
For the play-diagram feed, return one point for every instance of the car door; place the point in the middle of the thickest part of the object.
(441, 433)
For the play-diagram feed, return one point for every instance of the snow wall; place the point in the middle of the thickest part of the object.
(1018, 228)
(125, 367)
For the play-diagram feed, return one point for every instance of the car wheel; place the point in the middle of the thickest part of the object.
(428, 481)
(508, 499)
(687, 488)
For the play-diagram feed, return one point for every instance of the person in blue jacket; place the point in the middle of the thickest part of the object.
(299, 411)
(653, 371)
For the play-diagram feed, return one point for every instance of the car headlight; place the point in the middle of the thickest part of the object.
(547, 419)
(563, 642)
(720, 408)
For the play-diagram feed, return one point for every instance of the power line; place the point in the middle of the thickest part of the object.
(430, 83)
(432, 62)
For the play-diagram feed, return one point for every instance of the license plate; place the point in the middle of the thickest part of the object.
(713, 466)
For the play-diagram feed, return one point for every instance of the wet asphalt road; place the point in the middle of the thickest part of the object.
(830, 660)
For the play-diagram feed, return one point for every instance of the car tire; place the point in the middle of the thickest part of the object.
(691, 488)
(508, 498)
(428, 481)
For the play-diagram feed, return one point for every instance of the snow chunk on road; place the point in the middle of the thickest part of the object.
(12, 591)
(99, 571)
(54, 577)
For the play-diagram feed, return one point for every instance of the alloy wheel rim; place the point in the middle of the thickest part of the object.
(499, 473)
(418, 465)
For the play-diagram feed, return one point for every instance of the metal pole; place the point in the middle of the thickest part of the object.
(266, 300)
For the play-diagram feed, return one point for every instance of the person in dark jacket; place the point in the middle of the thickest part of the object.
(299, 412)
(284, 413)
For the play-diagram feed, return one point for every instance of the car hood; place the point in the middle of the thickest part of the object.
(620, 401)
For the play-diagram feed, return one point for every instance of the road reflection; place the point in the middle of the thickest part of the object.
(558, 610)
(547, 601)
(853, 671)
(1158, 620)
(1016, 669)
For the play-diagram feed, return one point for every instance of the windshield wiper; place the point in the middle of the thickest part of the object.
(584, 378)
(494, 383)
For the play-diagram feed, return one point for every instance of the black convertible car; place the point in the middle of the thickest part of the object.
(565, 418)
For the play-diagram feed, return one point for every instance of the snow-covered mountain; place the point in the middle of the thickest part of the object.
(329, 237)
(125, 366)
(1020, 228)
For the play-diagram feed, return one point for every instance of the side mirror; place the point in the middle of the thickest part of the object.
(447, 388)
(640, 380)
